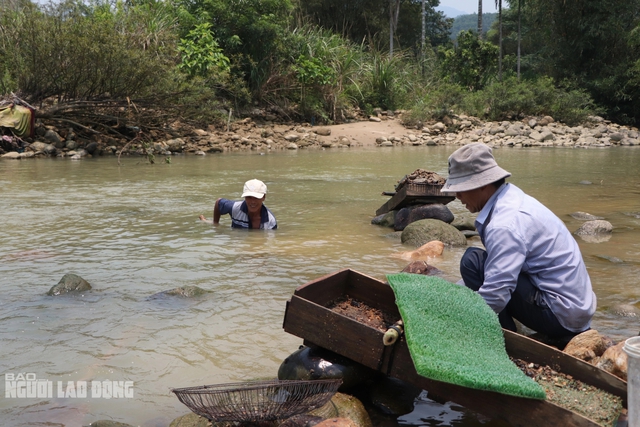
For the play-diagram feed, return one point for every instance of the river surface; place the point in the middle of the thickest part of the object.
(132, 231)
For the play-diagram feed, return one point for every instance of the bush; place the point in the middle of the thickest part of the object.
(437, 103)
(507, 100)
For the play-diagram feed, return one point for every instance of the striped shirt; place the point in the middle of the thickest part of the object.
(240, 215)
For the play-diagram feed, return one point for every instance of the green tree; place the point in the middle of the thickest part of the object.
(369, 21)
(471, 63)
(201, 55)
(250, 33)
(583, 42)
(72, 50)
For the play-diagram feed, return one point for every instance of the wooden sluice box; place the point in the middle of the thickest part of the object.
(308, 315)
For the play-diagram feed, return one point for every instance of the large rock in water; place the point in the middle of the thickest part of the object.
(420, 232)
(465, 221)
(344, 406)
(594, 227)
(316, 363)
(596, 231)
(385, 220)
(69, 283)
(406, 216)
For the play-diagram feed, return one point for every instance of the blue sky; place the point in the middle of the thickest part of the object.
(471, 6)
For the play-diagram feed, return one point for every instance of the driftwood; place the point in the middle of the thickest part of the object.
(123, 119)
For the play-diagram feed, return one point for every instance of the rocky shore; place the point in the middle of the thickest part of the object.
(384, 129)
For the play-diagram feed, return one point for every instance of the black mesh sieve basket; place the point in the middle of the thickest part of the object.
(257, 401)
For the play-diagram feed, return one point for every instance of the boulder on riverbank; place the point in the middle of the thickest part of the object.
(263, 135)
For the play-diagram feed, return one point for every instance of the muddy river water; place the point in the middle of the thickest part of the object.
(132, 231)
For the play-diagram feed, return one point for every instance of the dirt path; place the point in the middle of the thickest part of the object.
(366, 133)
(362, 133)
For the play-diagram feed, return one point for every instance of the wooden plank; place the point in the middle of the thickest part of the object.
(326, 288)
(383, 209)
(525, 348)
(397, 199)
(333, 331)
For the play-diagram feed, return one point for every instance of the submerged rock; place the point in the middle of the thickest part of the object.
(385, 220)
(465, 222)
(626, 310)
(585, 216)
(596, 231)
(393, 396)
(303, 420)
(612, 259)
(430, 249)
(315, 363)
(338, 422)
(594, 227)
(108, 423)
(182, 291)
(69, 283)
(190, 420)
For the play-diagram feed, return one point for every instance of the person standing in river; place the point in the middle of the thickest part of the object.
(248, 214)
(532, 269)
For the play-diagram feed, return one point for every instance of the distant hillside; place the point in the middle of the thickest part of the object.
(470, 22)
(450, 12)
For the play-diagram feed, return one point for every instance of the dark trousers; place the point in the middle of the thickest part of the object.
(526, 304)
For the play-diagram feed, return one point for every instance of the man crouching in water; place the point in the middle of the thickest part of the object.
(532, 269)
(248, 214)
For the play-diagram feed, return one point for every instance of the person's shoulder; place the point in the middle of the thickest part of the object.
(227, 205)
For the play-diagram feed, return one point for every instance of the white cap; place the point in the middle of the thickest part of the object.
(254, 188)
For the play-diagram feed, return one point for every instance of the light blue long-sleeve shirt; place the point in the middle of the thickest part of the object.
(522, 235)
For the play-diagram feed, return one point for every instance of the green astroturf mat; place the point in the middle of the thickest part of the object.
(454, 337)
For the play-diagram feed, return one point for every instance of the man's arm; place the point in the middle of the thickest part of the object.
(506, 254)
(216, 213)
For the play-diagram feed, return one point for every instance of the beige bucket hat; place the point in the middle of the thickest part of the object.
(472, 166)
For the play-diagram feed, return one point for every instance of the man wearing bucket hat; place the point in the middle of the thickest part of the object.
(532, 269)
(250, 213)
